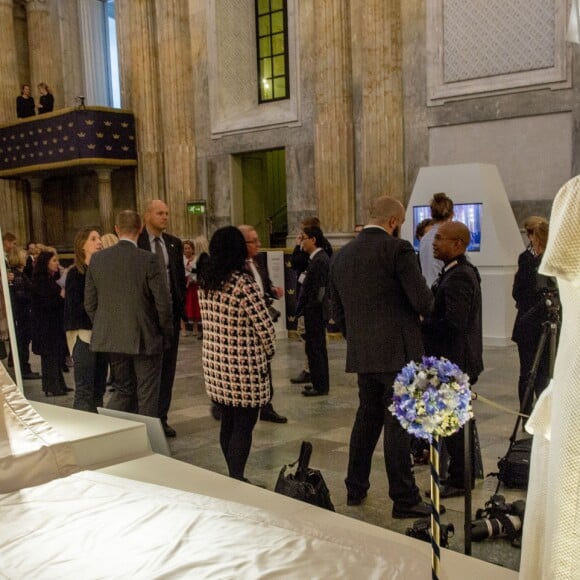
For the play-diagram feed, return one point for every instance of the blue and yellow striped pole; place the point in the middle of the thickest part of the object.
(435, 518)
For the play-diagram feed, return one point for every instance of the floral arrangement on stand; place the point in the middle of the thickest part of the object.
(432, 399)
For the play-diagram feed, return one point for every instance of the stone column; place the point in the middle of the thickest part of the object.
(377, 71)
(44, 48)
(105, 199)
(333, 134)
(140, 92)
(71, 56)
(176, 98)
(12, 201)
(37, 210)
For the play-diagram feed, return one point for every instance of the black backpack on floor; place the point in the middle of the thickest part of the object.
(514, 467)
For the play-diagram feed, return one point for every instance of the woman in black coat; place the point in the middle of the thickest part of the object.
(48, 338)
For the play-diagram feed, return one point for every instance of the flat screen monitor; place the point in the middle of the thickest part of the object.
(466, 213)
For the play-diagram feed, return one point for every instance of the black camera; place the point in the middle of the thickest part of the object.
(274, 314)
(499, 519)
(421, 530)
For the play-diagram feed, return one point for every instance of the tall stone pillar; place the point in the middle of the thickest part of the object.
(37, 210)
(105, 199)
(44, 48)
(13, 217)
(333, 134)
(140, 92)
(176, 98)
(377, 72)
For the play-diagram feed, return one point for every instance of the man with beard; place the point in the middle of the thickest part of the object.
(378, 294)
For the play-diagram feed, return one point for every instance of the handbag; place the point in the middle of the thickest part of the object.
(305, 484)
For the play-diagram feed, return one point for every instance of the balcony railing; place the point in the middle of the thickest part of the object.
(67, 138)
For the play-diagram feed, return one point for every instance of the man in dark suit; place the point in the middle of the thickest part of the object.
(127, 299)
(169, 248)
(311, 305)
(378, 295)
(259, 271)
(453, 329)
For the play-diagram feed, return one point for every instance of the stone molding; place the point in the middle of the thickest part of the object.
(531, 51)
(232, 71)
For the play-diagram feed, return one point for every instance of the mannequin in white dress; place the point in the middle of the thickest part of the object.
(551, 534)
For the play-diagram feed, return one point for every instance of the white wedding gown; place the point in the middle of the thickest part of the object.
(551, 536)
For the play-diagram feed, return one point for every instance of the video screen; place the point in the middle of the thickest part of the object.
(466, 213)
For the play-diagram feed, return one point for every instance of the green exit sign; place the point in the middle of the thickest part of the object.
(196, 207)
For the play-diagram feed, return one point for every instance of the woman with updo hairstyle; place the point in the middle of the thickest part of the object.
(238, 343)
(46, 101)
(528, 292)
(441, 212)
(90, 367)
(48, 339)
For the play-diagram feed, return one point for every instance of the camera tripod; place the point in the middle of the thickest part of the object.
(549, 336)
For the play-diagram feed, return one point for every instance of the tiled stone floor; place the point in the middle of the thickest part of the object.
(327, 422)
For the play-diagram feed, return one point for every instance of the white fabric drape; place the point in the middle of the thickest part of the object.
(94, 52)
(574, 23)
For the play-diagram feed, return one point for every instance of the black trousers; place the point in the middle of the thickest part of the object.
(375, 396)
(137, 383)
(527, 351)
(316, 352)
(237, 424)
(168, 372)
(51, 369)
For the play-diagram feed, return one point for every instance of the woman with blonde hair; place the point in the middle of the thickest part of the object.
(46, 101)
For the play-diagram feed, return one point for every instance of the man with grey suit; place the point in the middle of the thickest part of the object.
(378, 295)
(127, 299)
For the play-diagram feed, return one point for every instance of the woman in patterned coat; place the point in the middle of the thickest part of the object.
(238, 342)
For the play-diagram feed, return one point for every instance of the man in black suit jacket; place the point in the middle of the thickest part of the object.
(453, 329)
(127, 300)
(311, 305)
(154, 238)
(378, 295)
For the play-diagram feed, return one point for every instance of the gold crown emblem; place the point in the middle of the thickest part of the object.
(35, 143)
(71, 148)
(125, 148)
(49, 129)
(91, 146)
(65, 138)
(100, 135)
(21, 135)
(291, 291)
(81, 135)
(108, 147)
(89, 122)
(70, 124)
(40, 153)
(116, 136)
(17, 147)
(45, 142)
(108, 123)
(60, 150)
(39, 130)
(124, 125)
(131, 137)
(54, 140)
(59, 127)
(31, 132)
(291, 318)
(50, 151)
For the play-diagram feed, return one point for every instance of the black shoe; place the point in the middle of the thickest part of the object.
(272, 416)
(448, 491)
(31, 376)
(419, 510)
(355, 498)
(168, 430)
(312, 392)
(303, 377)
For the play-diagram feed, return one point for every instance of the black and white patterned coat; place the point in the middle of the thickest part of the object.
(238, 342)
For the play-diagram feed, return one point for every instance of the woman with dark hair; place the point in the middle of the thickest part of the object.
(238, 342)
(90, 367)
(441, 212)
(48, 338)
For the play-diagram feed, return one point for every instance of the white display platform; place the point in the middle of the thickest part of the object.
(501, 242)
(171, 473)
(97, 441)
